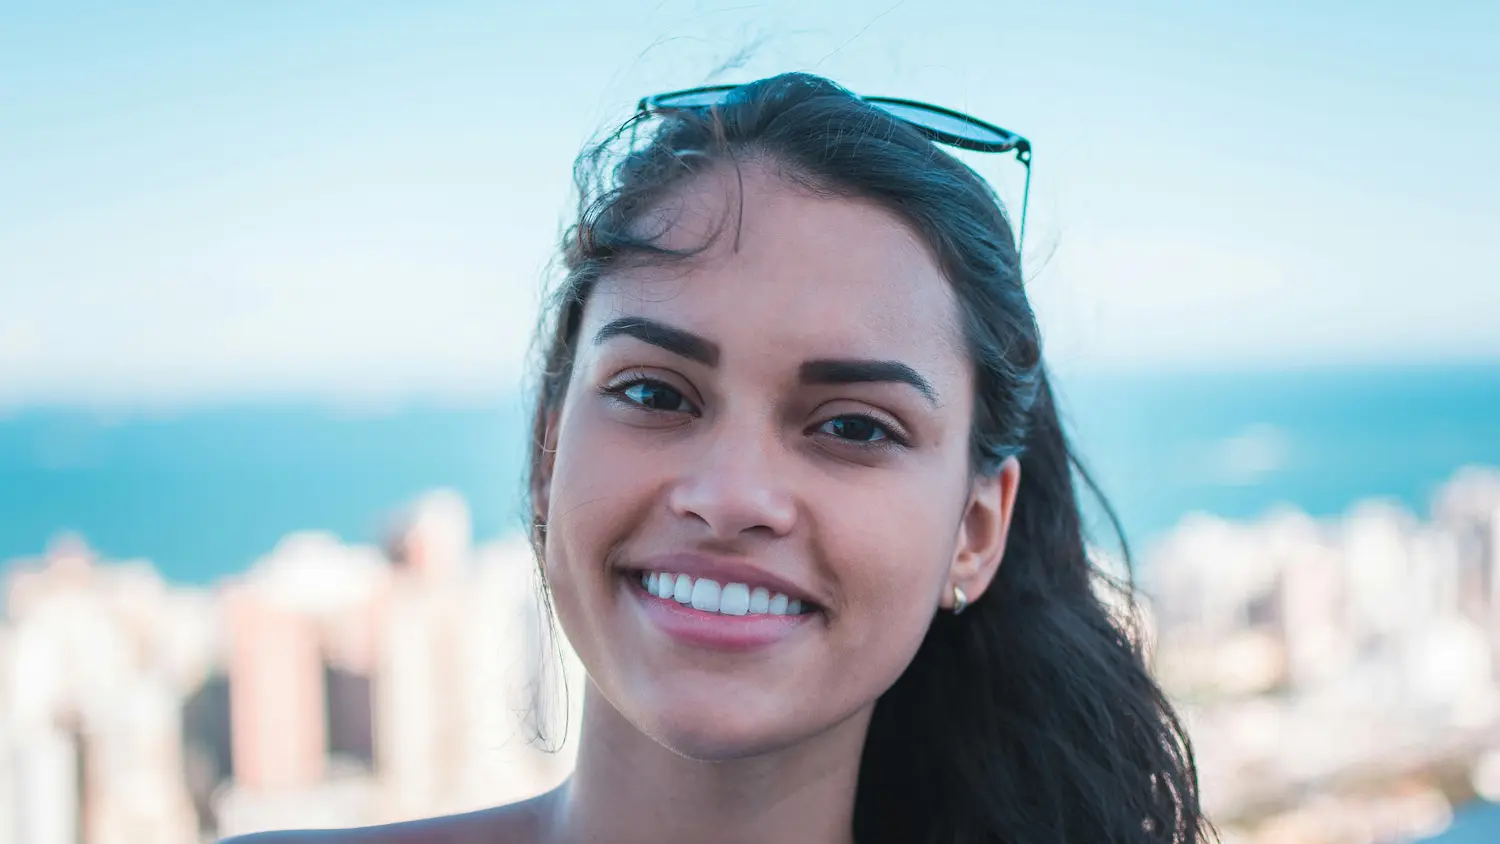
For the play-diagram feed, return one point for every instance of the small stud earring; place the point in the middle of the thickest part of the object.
(960, 600)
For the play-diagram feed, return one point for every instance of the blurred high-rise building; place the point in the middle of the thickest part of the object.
(93, 695)
(301, 645)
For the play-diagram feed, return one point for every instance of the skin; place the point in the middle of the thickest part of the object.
(858, 493)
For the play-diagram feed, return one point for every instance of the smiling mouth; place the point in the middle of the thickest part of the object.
(710, 596)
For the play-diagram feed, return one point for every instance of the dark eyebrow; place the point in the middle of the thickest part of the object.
(675, 340)
(865, 371)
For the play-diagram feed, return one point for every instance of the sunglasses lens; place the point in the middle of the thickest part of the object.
(946, 123)
(690, 99)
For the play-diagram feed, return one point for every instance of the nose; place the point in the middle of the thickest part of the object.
(736, 487)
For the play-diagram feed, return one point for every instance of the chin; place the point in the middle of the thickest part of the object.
(712, 743)
(716, 733)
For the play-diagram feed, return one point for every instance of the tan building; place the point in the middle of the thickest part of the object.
(300, 644)
(276, 695)
(463, 651)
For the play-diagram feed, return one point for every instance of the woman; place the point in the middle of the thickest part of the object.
(807, 514)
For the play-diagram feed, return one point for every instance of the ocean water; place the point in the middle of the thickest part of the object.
(202, 493)
(1237, 444)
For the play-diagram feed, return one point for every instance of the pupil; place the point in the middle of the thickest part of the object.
(656, 397)
(661, 399)
(855, 428)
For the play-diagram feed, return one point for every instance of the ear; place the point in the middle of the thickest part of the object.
(982, 533)
(541, 476)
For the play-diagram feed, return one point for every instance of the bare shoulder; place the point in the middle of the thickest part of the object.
(516, 823)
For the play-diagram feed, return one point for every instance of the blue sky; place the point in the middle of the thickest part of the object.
(204, 201)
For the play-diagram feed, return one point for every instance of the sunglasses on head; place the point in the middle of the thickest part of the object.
(941, 125)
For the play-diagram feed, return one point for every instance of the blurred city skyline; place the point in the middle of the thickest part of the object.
(362, 199)
(1341, 678)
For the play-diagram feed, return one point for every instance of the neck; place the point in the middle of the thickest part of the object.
(627, 788)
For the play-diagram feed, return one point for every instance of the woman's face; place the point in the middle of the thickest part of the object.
(787, 414)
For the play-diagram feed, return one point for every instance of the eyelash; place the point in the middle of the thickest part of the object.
(893, 437)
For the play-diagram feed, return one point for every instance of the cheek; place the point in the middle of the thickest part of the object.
(600, 476)
(892, 543)
(599, 490)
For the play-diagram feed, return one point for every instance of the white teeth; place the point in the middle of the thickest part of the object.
(760, 600)
(682, 592)
(706, 595)
(734, 599)
(778, 604)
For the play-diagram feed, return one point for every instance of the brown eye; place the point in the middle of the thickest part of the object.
(856, 429)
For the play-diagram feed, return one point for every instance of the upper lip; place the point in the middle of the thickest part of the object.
(722, 571)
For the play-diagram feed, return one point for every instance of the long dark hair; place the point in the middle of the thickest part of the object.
(1032, 717)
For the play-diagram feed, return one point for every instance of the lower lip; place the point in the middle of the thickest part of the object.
(714, 630)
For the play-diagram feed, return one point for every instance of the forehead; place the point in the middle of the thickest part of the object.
(791, 272)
